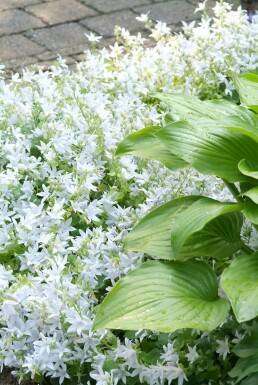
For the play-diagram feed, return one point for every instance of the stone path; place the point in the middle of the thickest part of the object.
(36, 31)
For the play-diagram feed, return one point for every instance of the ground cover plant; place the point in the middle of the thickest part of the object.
(68, 203)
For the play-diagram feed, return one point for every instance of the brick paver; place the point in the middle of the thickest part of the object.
(107, 6)
(36, 31)
(18, 46)
(60, 36)
(105, 24)
(15, 20)
(60, 11)
(8, 4)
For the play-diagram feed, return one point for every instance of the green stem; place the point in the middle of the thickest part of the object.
(234, 191)
(247, 249)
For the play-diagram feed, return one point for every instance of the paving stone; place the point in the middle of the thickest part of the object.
(74, 49)
(171, 12)
(15, 20)
(47, 55)
(17, 46)
(23, 62)
(104, 25)
(60, 36)
(79, 58)
(114, 5)
(49, 63)
(210, 3)
(60, 11)
(8, 4)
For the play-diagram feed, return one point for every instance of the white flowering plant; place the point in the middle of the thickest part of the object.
(68, 203)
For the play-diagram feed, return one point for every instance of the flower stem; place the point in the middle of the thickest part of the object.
(234, 191)
(247, 249)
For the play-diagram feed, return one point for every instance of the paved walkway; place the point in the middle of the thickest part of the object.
(36, 31)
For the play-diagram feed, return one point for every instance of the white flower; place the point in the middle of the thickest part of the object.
(192, 355)
(144, 18)
(6, 276)
(223, 348)
(93, 38)
(201, 6)
(101, 377)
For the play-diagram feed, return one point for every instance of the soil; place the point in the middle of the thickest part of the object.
(6, 378)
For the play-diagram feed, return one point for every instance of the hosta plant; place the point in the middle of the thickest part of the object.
(189, 235)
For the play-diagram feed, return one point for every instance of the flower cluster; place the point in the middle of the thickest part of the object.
(67, 202)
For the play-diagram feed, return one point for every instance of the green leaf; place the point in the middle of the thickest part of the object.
(246, 123)
(244, 367)
(218, 236)
(251, 380)
(240, 283)
(210, 150)
(252, 194)
(248, 346)
(218, 239)
(247, 87)
(194, 219)
(164, 296)
(152, 234)
(247, 170)
(192, 109)
(213, 113)
(251, 210)
(144, 143)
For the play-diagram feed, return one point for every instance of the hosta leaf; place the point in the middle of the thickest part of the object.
(252, 194)
(210, 150)
(240, 283)
(247, 87)
(144, 143)
(250, 380)
(251, 210)
(188, 107)
(192, 109)
(194, 219)
(245, 123)
(152, 234)
(247, 170)
(244, 367)
(164, 296)
(212, 113)
(248, 346)
(219, 237)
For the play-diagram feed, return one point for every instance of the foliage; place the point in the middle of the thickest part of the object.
(67, 203)
(183, 293)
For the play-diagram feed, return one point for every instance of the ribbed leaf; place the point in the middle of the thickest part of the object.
(210, 150)
(240, 283)
(252, 194)
(164, 296)
(246, 123)
(244, 367)
(251, 210)
(248, 346)
(144, 143)
(247, 87)
(152, 235)
(250, 380)
(218, 239)
(194, 219)
(192, 109)
(247, 170)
